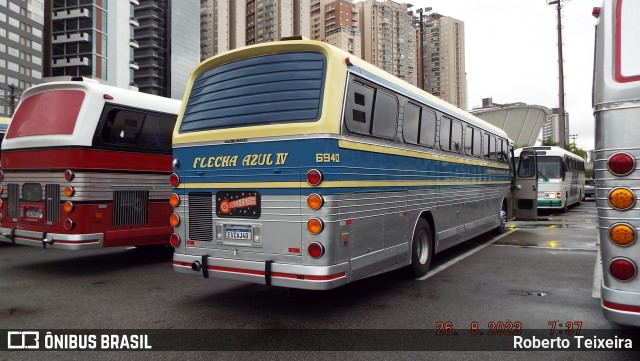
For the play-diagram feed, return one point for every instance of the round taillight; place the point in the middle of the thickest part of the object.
(69, 206)
(621, 164)
(174, 239)
(314, 177)
(315, 201)
(69, 224)
(69, 175)
(315, 226)
(315, 249)
(174, 220)
(559, 195)
(622, 269)
(174, 200)
(622, 234)
(174, 179)
(622, 198)
(69, 191)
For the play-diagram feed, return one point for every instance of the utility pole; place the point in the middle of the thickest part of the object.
(12, 99)
(561, 110)
(421, 63)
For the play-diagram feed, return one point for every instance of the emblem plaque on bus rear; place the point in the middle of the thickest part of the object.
(238, 204)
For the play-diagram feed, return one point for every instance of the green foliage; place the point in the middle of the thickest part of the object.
(549, 143)
(577, 151)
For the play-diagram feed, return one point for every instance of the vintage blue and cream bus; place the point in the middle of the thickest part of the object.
(616, 102)
(299, 165)
(560, 177)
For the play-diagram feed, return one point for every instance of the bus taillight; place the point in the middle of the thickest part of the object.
(174, 220)
(69, 191)
(621, 164)
(174, 200)
(314, 177)
(315, 201)
(1, 175)
(595, 12)
(315, 226)
(174, 240)
(315, 249)
(69, 175)
(622, 234)
(69, 206)
(622, 269)
(174, 179)
(69, 224)
(622, 198)
(1, 203)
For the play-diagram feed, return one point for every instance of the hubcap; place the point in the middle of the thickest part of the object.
(423, 247)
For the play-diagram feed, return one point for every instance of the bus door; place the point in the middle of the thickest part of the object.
(525, 186)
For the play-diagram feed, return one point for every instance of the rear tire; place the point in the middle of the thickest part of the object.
(421, 249)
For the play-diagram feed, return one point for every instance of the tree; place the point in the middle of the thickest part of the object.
(549, 143)
(577, 151)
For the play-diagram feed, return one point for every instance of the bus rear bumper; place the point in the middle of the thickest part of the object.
(621, 307)
(71, 242)
(266, 273)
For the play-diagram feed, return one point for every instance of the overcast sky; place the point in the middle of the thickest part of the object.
(512, 56)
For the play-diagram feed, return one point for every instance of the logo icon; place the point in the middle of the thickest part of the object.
(23, 340)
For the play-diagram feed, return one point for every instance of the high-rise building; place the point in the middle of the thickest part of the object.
(388, 37)
(444, 59)
(224, 26)
(336, 22)
(21, 26)
(551, 128)
(168, 39)
(91, 38)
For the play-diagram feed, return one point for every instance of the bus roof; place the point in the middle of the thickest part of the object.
(87, 113)
(549, 151)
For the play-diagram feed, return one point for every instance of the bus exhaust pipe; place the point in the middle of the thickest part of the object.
(196, 266)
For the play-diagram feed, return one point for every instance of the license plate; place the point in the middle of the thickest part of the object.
(32, 213)
(238, 234)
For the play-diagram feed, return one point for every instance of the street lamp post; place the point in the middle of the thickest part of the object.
(561, 110)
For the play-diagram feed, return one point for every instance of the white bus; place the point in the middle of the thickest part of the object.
(560, 177)
(616, 102)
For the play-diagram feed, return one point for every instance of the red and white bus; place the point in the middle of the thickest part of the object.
(85, 166)
(616, 105)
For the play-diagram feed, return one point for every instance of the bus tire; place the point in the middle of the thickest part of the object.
(421, 249)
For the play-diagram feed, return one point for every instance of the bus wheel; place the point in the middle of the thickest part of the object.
(421, 249)
(503, 220)
(566, 200)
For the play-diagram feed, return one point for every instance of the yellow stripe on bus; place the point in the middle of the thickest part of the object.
(345, 144)
(338, 184)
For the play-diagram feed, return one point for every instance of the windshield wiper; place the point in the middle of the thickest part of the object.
(542, 175)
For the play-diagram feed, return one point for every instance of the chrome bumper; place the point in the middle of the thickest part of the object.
(621, 298)
(72, 242)
(266, 273)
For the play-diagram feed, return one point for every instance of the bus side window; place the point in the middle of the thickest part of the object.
(456, 136)
(126, 126)
(411, 123)
(358, 108)
(385, 115)
(468, 140)
(428, 128)
(477, 143)
(445, 133)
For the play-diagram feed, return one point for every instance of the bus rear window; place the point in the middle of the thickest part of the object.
(279, 88)
(48, 113)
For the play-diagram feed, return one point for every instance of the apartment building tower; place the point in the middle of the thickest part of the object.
(336, 22)
(91, 38)
(21, 50)
(388, 37)
(168, 40)
(444, 59)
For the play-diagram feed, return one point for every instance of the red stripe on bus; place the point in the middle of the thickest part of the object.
(85, 158)
(619, 307)
(56, 112)
(279, 274)
(183, 264)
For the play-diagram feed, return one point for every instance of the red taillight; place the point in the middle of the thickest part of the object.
(316, 250)
(621, 164)
(69, 175)
(595, 12)
(559, 195)
(314, 177)
(69, 224)
(174, 240)
(622, 269)
(174, 179)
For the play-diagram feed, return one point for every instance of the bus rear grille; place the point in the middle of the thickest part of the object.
(13, 192)
(130, 207)
(53, 202)
(201, 217)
